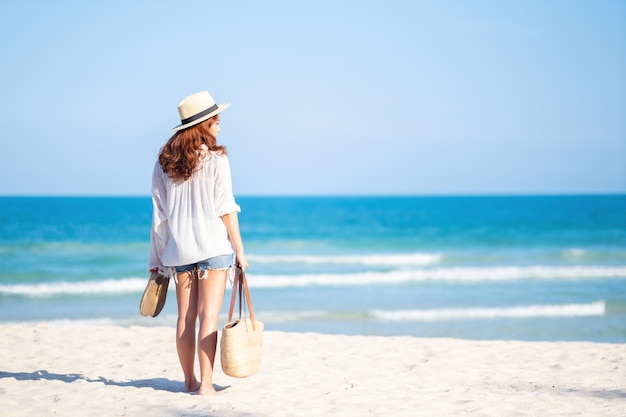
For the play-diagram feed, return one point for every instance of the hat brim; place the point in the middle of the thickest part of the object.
(220, 108)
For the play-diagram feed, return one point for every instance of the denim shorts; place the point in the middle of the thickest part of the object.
(220, 262)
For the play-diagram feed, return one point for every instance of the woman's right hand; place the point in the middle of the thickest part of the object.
(240, 260)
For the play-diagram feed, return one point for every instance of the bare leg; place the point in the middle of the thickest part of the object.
(187, 298)
(210, 297)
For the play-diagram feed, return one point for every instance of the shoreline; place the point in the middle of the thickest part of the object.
(127, 371)
(168, 321)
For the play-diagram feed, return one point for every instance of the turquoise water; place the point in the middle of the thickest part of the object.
(527, 268)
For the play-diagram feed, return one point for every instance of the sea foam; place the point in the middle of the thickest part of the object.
(454, 274)
(597, 308)
(405, 259)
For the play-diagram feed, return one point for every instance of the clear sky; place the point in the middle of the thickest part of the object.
(327, 97)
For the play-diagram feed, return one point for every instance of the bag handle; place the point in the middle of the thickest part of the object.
(240, 285)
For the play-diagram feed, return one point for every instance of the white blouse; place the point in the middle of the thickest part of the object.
(186, 215)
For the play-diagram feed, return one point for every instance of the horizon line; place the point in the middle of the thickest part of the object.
(335, 195)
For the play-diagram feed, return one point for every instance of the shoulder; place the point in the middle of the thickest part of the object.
(157, 168)
(215, 162)
(216, 157)
(219, 155)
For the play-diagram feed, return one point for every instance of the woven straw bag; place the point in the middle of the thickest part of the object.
(241, 344)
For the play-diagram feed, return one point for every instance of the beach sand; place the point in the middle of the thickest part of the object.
(74, 370)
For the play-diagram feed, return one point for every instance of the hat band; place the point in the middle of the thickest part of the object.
(199, 115)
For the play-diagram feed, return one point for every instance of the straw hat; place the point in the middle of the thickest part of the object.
(197, 108)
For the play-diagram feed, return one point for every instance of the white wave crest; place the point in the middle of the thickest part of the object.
(597, 308)
(397, 259)
(104, 287)
(459, 274)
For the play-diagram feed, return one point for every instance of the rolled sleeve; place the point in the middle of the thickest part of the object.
(159, 232)
(224, 198)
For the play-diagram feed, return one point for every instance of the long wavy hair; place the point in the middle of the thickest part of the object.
(181, 155)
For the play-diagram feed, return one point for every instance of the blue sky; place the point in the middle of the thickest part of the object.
(327, 97)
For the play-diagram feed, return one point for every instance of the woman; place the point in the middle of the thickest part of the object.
(195, 231)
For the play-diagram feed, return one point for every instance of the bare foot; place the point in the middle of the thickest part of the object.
(207, 391)
(193, 386)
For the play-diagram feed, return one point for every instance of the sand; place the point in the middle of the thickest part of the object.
(73, 370)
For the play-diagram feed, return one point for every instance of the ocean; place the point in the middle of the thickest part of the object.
(541, 268)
